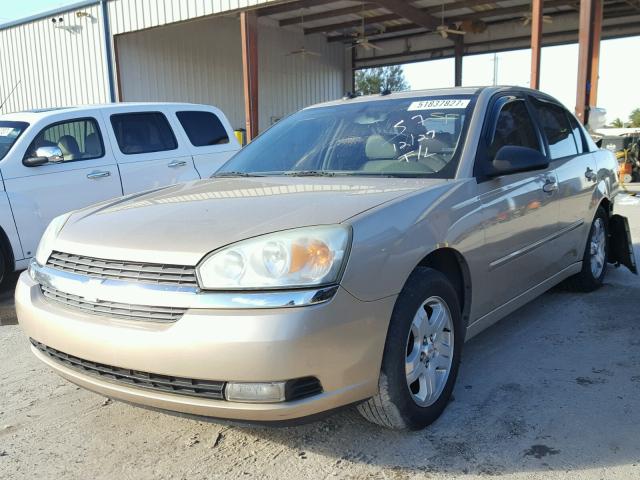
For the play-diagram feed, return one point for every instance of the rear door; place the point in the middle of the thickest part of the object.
(521, 207)
(88, 174)
(210, 138)
(150, 150)
(576, 169)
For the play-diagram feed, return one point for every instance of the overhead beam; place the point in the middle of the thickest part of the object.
(290, 7)
(337, 12)
(520, 9)
(395, 16)
(249, 39)
(536, 36)
(415, 15)
(497, 45)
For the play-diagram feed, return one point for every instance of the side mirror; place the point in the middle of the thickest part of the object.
(43, 156)
(514, 159)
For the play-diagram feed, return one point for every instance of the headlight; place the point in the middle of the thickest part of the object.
(292, 258)
(46, 242)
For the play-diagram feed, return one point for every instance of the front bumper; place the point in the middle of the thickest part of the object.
(340, 342)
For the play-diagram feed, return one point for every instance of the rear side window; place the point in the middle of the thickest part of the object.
(78, 139)
(203, 128)
(555, 124)
(143, 132)
(577, 134)
(513, 127)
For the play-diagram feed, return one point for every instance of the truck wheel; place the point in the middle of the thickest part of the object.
(3, 266)
(421, 354)
(594, 260)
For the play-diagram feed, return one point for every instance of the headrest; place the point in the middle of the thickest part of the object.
(377, 148)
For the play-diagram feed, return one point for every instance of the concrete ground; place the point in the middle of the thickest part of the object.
(552, 391)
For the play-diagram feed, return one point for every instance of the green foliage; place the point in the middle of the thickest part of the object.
(617, 123)
(374, 80)
(634, 118)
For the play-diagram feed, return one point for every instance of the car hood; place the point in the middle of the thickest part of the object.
(181, 223)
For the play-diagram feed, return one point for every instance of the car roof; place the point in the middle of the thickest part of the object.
(36, 114)
(435, 92)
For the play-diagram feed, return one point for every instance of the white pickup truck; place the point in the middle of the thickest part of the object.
(54, 161)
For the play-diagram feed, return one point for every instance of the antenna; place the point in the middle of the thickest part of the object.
(10, 93)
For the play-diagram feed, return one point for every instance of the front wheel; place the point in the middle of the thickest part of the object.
(421, 354)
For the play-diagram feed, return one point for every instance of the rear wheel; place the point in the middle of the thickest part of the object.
(421, 355)
(594, 259)
(3, 266)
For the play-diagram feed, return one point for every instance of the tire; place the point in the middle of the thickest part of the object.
(3, 266)
(590, 279)
(398, 404)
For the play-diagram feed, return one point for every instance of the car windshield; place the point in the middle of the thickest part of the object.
(9, 133)
(413, 137)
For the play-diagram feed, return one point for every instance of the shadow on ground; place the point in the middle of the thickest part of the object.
(555, 386)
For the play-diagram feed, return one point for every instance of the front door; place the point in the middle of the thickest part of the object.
(520, 210)
(88, 174)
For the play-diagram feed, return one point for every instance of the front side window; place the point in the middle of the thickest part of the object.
(78, 139)
(390, 137)
(203, 128)
(513, 127)
(556, 127)
(143, 132)
(9, 133)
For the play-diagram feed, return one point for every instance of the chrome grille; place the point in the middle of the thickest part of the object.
(114, 309)
(183, 386)
(119, 270)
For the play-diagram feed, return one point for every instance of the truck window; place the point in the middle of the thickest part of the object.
(143, 132)
(78, 139)
(9, 133)
(203, 128)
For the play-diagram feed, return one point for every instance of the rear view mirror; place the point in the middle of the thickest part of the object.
(514, 159)
(43, 156)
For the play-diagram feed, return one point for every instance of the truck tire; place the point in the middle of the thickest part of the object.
(421, 354)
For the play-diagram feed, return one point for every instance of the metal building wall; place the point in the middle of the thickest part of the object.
(55, 66)
(200, 61)
(132, 15)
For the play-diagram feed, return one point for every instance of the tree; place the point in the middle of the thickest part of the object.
(634, 118)
(617, 123)
(374, 80)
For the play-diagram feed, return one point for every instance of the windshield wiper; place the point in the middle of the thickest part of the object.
(234, 174)
(309, 173)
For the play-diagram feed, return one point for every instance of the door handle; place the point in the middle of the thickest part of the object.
(177, 163)
(550, 185)
(590, 174)
(99, 174)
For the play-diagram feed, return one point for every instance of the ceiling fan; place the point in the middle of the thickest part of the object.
(303, 51)
(361, 39)
(528, 17)
(443, 29)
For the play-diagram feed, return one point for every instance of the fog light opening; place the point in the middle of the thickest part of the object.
(268, 392)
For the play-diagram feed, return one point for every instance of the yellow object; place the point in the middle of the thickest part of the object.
(241, 136)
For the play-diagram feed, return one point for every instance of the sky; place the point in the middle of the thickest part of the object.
(618, 90)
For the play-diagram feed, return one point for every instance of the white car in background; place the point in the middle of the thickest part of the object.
(54, 161)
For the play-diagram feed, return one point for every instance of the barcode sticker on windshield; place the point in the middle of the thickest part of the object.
(6, 131)
(440, 104)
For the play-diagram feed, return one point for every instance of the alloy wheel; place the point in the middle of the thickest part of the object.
(597, 246)
(429, 352)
